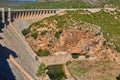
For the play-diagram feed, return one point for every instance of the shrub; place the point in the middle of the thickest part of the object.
(44, 32)
(49, 45)
(57, 34)
(34, 35)
(43, 52)
(68, 62)
(118, 77)
(25, 31)
(75, 56)
(87, 56)
(41, 70)
(36, 58)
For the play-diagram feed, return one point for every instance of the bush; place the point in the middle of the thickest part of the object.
(44, 32)
(104, 43)
(41, 70)
(87, 56)
(49, 45)
(57, 34)
(118, 77)
(34, 35)
(36, 58)
(68, 62)
(25, 31)
(75, 56)
(43, 52)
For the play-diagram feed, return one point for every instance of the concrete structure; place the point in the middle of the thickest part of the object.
(14, 40)
(28, 14)
(3, 15)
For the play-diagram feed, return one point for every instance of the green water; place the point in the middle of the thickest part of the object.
(56, 72)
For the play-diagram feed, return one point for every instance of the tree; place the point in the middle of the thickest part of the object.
(41, 70)
(118, 77)
(41, 52)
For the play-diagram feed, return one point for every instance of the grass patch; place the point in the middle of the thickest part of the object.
(68, 63)
(34, 35)
(57, 34)
(87, 56)
(41, 52)
(110, 26)
(56, 72)
(41, 70)
(44, 32)
(58, 4)
(101, 70)
(26, 31)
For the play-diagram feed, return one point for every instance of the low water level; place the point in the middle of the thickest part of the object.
(56, 72)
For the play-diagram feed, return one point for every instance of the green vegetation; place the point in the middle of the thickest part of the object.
(57, 34)
(109, 25)
(26, 31)
(68, 63)
(56, 72)
(118, 77)
(114, 2)
(109, 22)
(36, 58)
(67, 4)
(75, 56)
(87, 56)
(34, 35)
(59, 4)
(101, 70)
(41, 70)
(44, 32)
(43, 52)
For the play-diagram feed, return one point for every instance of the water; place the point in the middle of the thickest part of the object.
(22, 0)
(14, 3)
(56, 72)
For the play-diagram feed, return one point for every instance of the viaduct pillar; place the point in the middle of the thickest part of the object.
(9, 14)
(3, 15)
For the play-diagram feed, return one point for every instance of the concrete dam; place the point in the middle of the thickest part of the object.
(23, 66)
(20, 59)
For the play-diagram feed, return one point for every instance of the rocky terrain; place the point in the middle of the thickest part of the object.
(70, 40)
(83, 33)
(82, 40)
(76, 37)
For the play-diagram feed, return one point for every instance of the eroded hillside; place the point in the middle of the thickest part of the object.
(68, 32)
(91, 35)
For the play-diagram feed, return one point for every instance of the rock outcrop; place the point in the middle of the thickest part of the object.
(86, 40)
